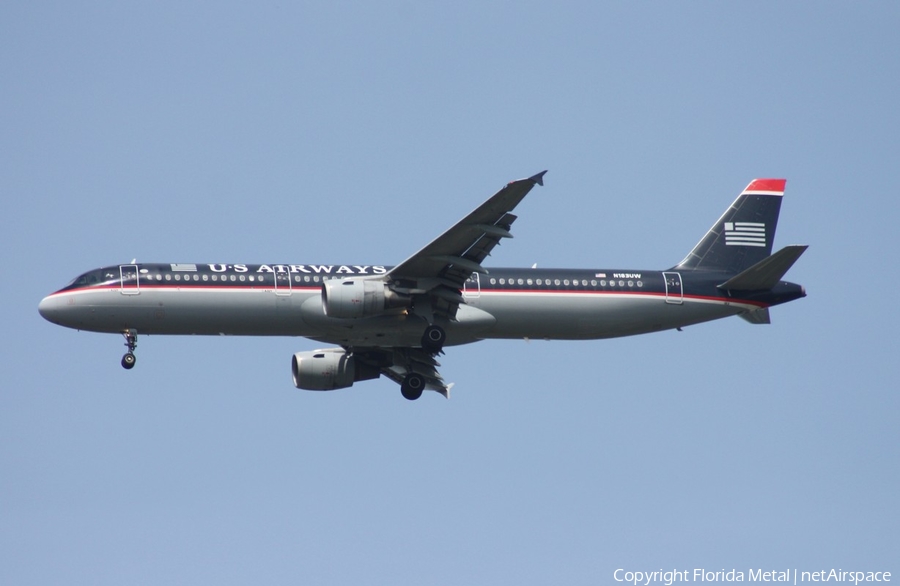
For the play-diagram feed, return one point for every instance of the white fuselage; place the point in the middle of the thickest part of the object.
(581, 311)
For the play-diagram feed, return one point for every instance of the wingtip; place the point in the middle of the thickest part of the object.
(539, 178)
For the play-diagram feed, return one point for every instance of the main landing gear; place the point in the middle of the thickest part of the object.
(412, 386)
(433, 343)
(131, 343)
(433, 339)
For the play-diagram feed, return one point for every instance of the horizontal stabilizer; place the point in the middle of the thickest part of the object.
(766, 273)
(757, 316)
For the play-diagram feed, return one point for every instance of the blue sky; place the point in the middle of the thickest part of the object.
(355, 133)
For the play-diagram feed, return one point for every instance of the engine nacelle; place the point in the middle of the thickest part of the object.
(323, 370)
(330, 369)
(352, 298)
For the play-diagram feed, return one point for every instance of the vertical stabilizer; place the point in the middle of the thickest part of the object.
(743, 235)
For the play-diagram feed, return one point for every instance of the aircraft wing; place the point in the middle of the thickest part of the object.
(408, 360)
(436, 273)
(458, 252)
(397, 362)
(435, 276)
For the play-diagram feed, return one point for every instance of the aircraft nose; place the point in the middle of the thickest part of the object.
(49, 309)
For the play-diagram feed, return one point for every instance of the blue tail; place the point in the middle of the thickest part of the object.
(743, 236)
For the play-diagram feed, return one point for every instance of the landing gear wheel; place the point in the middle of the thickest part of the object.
(131, 343)
(433, 339)
(412, 386)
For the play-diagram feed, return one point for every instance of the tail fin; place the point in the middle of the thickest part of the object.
(743, 235)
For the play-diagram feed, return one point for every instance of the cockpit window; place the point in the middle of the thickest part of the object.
(87, 279)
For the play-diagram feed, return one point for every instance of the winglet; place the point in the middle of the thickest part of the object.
(539, 178)
(445, 390)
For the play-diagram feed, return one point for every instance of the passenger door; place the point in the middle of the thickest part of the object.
(674, 290)
(129, 283)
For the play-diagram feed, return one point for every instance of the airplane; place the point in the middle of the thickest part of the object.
(396, 320)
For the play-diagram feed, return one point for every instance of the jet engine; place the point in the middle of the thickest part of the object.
(352, 298)
(328, 370)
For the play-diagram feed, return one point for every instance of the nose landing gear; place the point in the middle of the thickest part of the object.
(131, 343)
